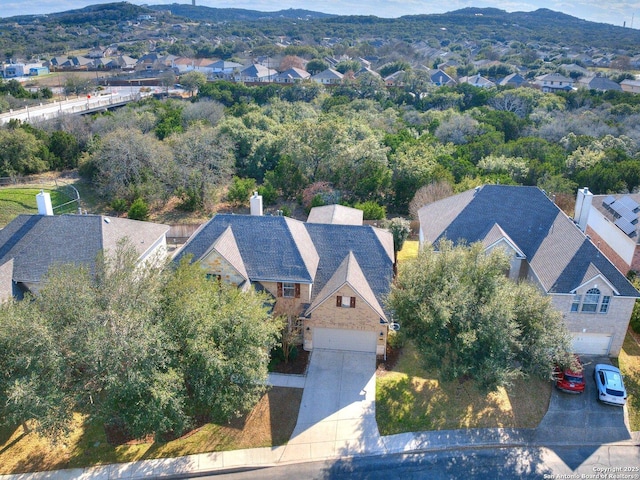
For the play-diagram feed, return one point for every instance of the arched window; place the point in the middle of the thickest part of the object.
(591, 299)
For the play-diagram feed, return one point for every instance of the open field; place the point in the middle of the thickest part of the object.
(270, 423)
(16, 200)
(409, 399)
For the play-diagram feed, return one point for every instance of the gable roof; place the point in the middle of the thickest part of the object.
(348, 273)
(272, 248)
(495, 235)
(227, 247)
(336, 214)
(558, 253)
(335, 242)
(36, 242)
(281, 249)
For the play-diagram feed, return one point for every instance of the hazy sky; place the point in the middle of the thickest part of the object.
(613, 11)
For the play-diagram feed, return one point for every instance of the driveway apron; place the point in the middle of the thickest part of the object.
(581, 418)
(337, 413)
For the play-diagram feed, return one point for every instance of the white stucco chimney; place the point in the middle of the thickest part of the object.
(256, 204)
(43, 199)
(584, 199)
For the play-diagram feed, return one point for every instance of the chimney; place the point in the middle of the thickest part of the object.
(43, 199)
(256, 204)
(584, 200)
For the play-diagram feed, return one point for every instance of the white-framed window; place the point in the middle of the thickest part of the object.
(591, 302)
(604, 305)
(345, 302)
(288, 290)
(575, 305)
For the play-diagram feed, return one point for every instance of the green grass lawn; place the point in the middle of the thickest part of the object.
(409, 250)
(629, 363)
(18, 200)
(409, 398)
(270, 423)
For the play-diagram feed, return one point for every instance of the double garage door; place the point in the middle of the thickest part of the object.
(339, 339)
(591, 343)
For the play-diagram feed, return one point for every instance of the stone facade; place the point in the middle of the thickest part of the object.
(216, 264)
(329, 315)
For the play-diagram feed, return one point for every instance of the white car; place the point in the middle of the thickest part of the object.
(610, 385)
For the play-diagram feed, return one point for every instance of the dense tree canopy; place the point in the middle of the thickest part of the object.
(144, 349)
(469, 320)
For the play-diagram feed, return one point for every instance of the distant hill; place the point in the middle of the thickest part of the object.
(209, 14)
(105, 12)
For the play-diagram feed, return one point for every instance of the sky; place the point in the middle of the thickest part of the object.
(615, 12)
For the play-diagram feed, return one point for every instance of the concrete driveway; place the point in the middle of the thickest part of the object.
(581, 418)
(337, 413)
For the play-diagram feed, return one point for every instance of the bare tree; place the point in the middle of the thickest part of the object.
(428, 194)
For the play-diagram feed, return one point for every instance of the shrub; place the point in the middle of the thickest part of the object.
(286, 211)
(240, 190)
(139, 210)
(635, 318)
(371, 210)
(120, 205)
(268, 192)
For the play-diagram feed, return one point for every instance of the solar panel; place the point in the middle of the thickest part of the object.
(629, 202)
(625, 226)
(624, 212)
(608, 200)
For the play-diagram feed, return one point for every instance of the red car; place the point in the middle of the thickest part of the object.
(571, 379)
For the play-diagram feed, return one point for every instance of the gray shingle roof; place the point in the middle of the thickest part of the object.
(6, 283)
(37, 242)
(268, 246)
(337, 214)
(348, 273)
(282, 249)
(334, 242)
(559, 254)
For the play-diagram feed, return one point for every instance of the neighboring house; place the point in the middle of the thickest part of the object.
(477, 81)
(328, 77)
(513, 80)
(546, 248)
(256, 73)
(125, 62)
(631, 86)
(396, 79)
(331, 278)
(336, 214)
(601, 84)
(441, 78)
(554, 82)
(31, 244)
(222, 67)
(612, 223)
(292, 75)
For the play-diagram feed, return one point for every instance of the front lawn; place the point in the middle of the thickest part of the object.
(629, 363)
(270, 423)
(410, 399)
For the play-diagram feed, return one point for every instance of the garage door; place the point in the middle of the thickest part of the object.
(591, 343)
(339, 339)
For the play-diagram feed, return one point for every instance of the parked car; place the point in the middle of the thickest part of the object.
(610, 385)
(571, 379)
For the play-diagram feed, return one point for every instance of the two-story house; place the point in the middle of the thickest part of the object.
(546, 248)
(332, 277)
